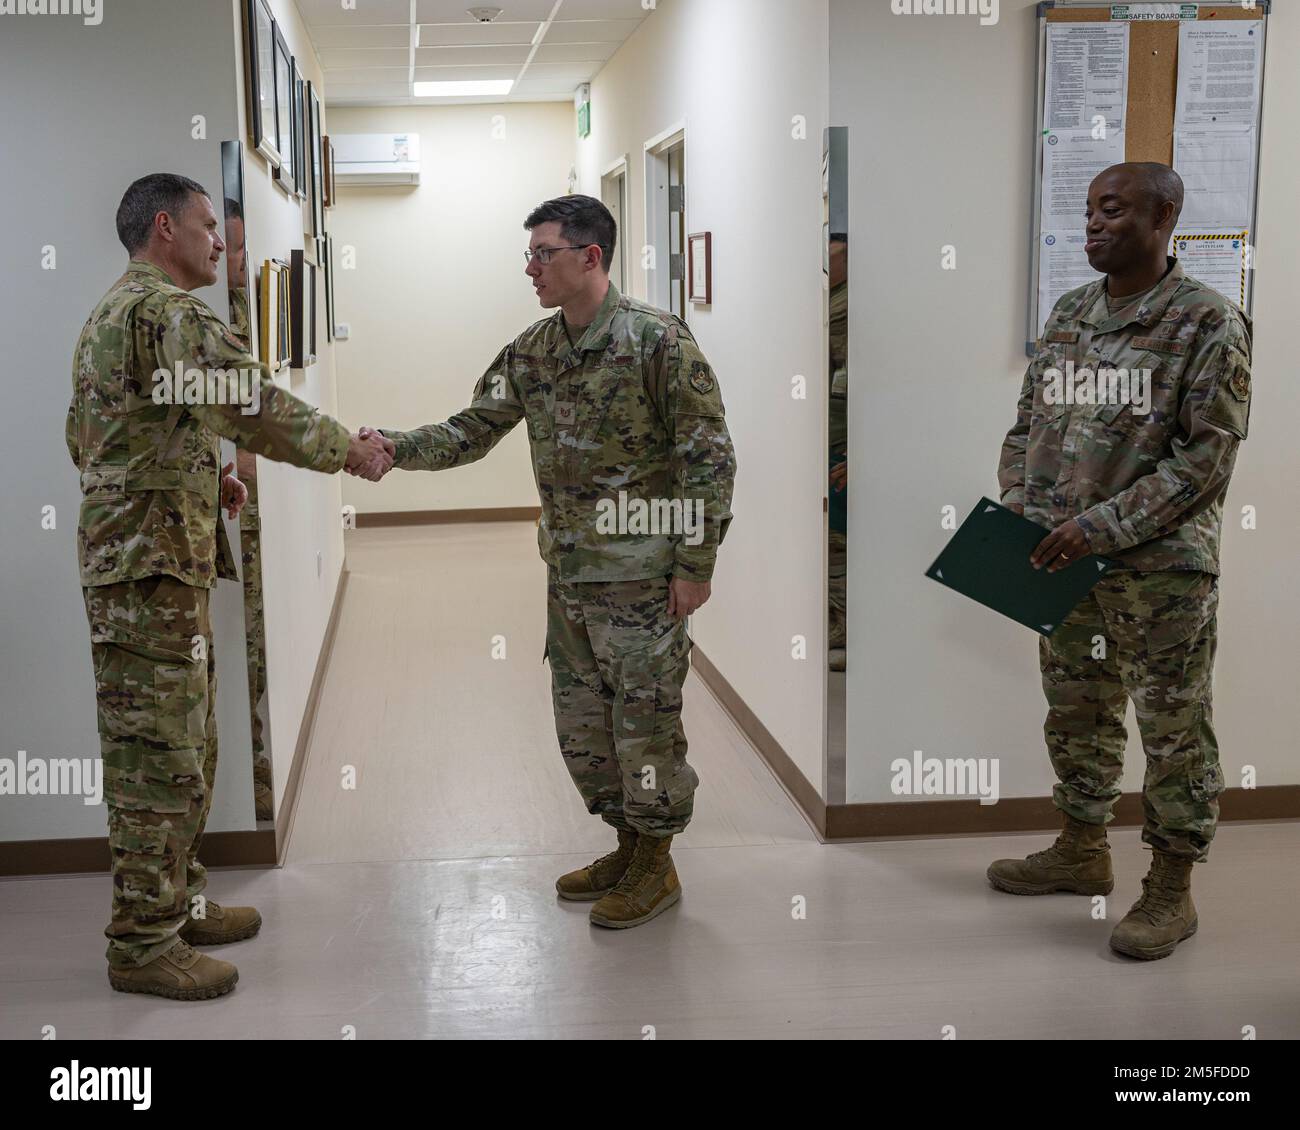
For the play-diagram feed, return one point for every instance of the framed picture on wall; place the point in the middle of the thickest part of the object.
(268, 295)
(317, 165)
(239, 279)
(700, 268)
(299, 132)
(304, 311)
(328, 258)
(286, 312)
(286, 172)
(325, 170)
(259, 61)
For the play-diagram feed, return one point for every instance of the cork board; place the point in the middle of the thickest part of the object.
(1152, 75)
(1149, 112)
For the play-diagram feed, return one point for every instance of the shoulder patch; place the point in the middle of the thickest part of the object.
(701, 379)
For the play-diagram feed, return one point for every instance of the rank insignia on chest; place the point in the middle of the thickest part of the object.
(701, 378)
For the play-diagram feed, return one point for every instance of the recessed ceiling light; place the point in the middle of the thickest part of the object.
(464, 89)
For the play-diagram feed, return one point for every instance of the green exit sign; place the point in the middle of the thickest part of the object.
(584, 120)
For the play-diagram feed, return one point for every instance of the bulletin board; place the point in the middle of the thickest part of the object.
(1149, 117)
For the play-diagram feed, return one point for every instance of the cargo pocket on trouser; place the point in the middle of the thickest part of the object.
(1172, 697)
(150, 827)
(152, 698)
(658, 784)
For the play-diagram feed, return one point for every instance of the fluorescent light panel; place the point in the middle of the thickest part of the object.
(463, 89)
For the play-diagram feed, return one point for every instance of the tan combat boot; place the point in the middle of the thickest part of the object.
(221, 925)
(648, 888)
(598, 879)
(180, 974)
(1165, 914)
(1079, 862)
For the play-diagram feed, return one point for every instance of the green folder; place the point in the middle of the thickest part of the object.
(988, 561)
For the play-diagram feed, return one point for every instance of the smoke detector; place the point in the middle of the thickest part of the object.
(484, 15)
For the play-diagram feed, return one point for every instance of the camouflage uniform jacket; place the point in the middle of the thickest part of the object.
(633, 407)
(150, 472)
(1147, 489)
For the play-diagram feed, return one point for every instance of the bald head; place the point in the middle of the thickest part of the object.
(1157, 184)
(1133, 209)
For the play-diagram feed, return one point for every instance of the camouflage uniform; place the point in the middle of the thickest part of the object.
(632, 407)
(1148, 491)
(250, 554)
(151, 544)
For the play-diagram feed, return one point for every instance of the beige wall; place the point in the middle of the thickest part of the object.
(67, 167)
(937, 360)
(302, 532)
(737, 72)
(439, 287)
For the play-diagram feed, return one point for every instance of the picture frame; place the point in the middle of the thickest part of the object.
(275, 324)
(286, 172)
(699, 272)
(239, 279)
(304, 310)
(318, 166)
(328, 258)
(299, 133)
(327, 158)
(259, 63)
(268, 284)
(286, 312)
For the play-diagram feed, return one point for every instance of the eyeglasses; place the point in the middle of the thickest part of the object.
(543, 255)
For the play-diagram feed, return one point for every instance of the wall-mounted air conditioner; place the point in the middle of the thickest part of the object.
(376, 158)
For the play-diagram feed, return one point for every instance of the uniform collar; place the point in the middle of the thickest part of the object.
(1147, 310)
(598, 335)
(140, 267)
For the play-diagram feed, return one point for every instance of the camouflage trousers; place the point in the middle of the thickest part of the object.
(250, 547)
(1150, 637)
(155, 688)
(618, 662)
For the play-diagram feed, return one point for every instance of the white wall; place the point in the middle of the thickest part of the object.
(302, 531)
(439, 287)
(67, 164)
(737, 73)
(941, 115)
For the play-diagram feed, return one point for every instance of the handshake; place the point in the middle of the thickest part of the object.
(370, 455)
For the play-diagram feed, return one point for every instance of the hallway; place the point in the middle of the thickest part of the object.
(420, 904)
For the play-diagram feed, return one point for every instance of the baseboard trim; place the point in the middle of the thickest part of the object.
(788, 774)
(447, 517)
(263, 847)
(289, 805)
(932, 818)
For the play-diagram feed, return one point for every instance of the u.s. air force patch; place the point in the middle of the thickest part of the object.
(701, 378)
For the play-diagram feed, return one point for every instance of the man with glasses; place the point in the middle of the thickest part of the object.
(634, 467)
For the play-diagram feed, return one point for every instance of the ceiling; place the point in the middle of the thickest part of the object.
(372, 54)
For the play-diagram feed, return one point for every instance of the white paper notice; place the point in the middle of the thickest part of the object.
(1071, 160)
(1062, 266)
(1217, 259)
(1087, 76)
(1219, 70)
(1218, 170)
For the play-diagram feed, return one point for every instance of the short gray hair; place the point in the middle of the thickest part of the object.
(158, 192)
